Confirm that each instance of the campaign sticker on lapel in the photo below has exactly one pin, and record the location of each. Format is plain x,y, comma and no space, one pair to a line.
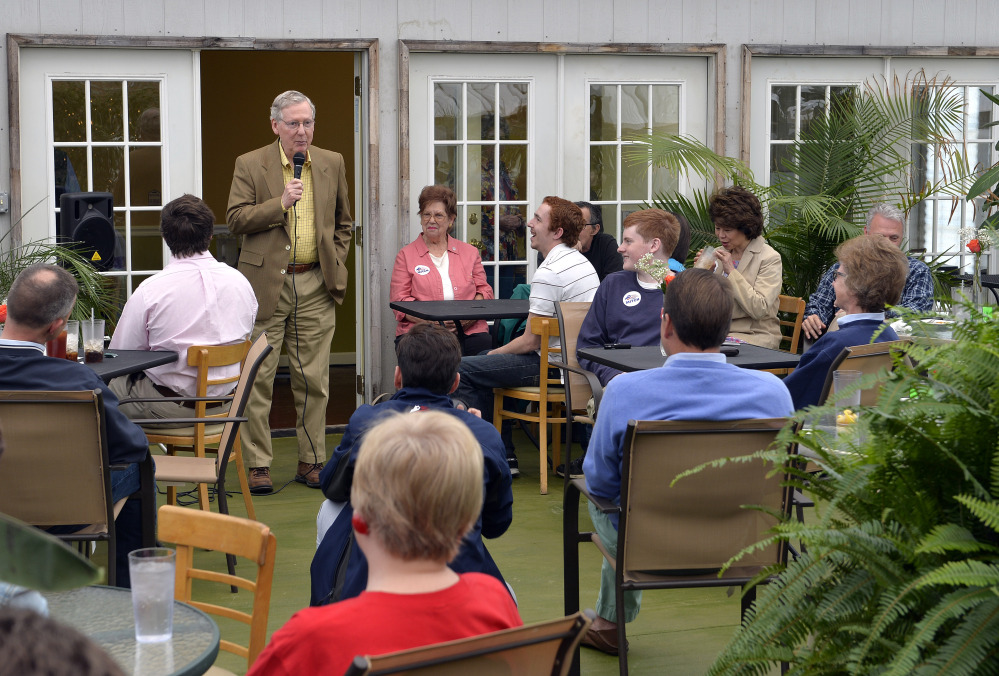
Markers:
631,299
422,270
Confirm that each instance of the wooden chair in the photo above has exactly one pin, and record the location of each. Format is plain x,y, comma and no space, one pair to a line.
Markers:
191,529
868,359
790,314
548,395
55,470
541,649
200,435
680,536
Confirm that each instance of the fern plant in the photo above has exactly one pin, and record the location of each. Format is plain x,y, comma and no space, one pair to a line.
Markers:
901,574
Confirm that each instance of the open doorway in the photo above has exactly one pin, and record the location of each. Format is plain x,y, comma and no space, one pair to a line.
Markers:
237,88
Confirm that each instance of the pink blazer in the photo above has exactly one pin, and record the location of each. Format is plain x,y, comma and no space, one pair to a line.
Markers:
415,277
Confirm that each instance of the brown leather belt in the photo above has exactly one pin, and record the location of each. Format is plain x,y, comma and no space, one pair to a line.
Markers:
167,392
299,268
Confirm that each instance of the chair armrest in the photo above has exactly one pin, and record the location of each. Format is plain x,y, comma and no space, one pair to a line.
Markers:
187,421
604,505
221,397
595,387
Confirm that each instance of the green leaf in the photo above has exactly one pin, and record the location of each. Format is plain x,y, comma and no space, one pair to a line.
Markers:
984,183
34,559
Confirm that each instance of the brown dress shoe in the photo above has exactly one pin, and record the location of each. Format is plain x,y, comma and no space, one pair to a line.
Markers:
604,640
260,481
308,474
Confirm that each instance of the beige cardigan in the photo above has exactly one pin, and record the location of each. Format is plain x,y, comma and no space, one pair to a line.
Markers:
756,283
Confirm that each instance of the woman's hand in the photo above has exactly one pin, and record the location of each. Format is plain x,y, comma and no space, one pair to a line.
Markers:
725,258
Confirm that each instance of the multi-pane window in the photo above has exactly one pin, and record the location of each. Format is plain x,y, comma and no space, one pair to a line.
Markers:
482,151
932,225
106,138
793,108
618,112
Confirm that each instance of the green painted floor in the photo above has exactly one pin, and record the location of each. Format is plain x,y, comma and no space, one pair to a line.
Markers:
678,631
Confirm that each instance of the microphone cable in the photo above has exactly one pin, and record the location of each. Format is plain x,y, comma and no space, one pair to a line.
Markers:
298,355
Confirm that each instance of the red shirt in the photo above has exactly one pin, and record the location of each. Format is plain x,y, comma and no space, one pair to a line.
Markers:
326,639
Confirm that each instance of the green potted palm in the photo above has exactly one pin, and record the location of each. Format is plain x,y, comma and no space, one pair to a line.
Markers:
846,161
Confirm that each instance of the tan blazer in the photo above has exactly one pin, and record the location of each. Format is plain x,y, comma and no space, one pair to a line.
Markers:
255,212
756,283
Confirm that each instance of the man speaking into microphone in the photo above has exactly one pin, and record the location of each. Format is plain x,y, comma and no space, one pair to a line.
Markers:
289,202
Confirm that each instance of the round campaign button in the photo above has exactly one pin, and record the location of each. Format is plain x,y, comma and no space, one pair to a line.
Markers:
422,270
631,299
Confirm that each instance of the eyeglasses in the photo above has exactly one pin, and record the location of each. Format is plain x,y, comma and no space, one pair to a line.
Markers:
437,218
840,274
295,124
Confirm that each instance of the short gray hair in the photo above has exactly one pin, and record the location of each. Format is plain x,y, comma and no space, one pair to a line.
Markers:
885,210
41,294
289,98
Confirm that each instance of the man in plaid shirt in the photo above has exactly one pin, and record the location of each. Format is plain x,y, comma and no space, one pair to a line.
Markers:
888,221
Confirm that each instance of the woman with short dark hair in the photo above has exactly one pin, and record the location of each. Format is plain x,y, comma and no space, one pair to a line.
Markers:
752,265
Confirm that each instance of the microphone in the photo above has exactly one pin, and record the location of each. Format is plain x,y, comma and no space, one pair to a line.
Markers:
299,161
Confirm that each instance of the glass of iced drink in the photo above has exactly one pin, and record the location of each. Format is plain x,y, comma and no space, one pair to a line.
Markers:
93,340
152,571
57,346
73,340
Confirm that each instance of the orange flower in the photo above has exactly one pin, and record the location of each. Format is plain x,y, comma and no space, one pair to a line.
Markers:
3,313
974,246
667,279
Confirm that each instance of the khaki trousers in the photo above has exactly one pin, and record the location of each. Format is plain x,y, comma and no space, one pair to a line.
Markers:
306,334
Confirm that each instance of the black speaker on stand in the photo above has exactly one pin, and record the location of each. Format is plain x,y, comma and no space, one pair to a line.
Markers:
86,224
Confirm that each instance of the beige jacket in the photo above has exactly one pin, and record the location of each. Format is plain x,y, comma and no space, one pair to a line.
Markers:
756,283
255,212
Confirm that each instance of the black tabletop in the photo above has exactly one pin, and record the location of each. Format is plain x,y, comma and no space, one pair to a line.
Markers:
129,361
641,358
451,310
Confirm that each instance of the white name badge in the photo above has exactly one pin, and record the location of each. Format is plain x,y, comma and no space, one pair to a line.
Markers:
422,270
631,299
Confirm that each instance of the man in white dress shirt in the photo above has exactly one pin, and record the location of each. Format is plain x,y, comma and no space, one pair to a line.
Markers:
194,300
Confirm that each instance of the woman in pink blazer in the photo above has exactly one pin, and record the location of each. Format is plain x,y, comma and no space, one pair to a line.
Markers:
435,266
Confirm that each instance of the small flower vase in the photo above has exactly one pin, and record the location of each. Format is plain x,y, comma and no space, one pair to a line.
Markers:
976,286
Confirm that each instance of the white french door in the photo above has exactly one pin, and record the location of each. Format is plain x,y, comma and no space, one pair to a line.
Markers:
109,120
505,130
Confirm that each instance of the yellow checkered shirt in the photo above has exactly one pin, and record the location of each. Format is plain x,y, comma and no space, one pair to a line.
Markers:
303,230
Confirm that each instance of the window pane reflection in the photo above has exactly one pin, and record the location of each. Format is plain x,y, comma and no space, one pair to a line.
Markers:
513,111
144,111
603,113
69,111
634,109
603,172
106,111
447,111
481,111
783,112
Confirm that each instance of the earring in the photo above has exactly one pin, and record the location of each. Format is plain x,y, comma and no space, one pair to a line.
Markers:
359,524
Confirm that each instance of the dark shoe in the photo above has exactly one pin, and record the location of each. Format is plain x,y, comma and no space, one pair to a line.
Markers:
604,640
514,465
260,481
308,474
575,469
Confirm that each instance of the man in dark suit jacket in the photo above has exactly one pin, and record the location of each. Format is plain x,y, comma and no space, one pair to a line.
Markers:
296,234
38,305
